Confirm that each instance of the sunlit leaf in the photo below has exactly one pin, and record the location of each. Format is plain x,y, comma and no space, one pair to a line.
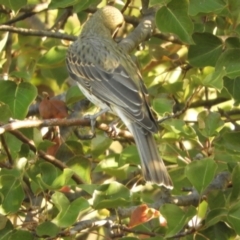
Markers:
200,6
200,173
47,229
18,97
173,18
68,212
181,217
14,4
210,123
111,195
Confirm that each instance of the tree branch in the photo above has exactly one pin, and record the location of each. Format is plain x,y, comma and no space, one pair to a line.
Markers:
39,33
28,12
61,122
59,164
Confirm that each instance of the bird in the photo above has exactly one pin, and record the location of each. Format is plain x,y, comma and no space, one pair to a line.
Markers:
110,79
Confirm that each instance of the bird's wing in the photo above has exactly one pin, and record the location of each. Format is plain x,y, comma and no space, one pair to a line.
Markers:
115,87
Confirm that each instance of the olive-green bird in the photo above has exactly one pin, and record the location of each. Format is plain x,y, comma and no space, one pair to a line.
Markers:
111,80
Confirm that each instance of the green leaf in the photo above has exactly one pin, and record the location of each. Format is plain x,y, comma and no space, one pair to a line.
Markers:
181,217
215,79
47,229
57,73
55,57
179,128
111,195
230,140
12,192
62,3
18,97
207,50
210,123
219,231
44,145
214,216
82,167
79,5
5,112
62,179
221,199
156,2
68,212
74,95
112,166
49,177
14,144
3,222
173,18
4,233
20,234
233,87
234,7
100,144
234,217
235,183
230,61
200,173
89,188
14,4
200,6
232,42
48,173
163,105
82,5
129,155
24,75
69,149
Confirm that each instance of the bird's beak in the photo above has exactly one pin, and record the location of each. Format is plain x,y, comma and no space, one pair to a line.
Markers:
114,34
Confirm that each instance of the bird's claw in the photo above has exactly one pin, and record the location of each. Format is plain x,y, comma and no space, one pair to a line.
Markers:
113,131
92,119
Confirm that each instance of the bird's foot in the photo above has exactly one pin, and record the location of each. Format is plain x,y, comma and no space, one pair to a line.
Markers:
113,131
93,118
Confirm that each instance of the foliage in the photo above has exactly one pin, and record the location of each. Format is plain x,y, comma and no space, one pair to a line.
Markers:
57,185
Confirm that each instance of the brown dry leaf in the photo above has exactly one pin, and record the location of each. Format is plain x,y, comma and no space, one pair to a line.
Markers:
52,150
142,214
52,108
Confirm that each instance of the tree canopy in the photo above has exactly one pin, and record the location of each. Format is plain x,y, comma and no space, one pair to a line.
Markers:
58,181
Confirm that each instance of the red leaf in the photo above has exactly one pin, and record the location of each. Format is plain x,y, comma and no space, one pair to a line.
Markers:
52,150
142,214
65,189
52,108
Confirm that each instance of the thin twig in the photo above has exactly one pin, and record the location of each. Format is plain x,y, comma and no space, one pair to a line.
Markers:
186,107
5,146
28,12
39,33
44,155
61,20
126,6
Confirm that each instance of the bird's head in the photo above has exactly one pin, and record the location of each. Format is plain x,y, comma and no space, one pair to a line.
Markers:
111,17
106,21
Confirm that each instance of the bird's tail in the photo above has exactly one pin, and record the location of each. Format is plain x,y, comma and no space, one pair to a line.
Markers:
153,167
